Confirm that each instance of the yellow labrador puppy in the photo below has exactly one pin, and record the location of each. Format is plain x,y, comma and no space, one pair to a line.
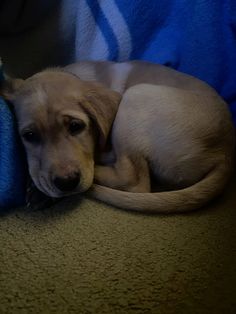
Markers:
169,125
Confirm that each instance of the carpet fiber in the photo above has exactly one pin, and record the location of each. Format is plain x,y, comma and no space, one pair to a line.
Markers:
84,257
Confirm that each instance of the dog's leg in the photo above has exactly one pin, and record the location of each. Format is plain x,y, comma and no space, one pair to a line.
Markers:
124,175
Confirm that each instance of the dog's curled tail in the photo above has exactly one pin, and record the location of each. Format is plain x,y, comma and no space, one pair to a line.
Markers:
178,201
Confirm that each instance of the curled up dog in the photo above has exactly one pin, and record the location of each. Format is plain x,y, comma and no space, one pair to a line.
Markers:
162,124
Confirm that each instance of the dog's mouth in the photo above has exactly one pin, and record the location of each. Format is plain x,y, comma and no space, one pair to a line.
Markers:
50,190
47,188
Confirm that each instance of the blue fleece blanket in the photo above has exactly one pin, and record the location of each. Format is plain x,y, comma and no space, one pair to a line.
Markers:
12,161
194,36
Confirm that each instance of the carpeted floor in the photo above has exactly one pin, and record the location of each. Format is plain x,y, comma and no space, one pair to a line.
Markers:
84,257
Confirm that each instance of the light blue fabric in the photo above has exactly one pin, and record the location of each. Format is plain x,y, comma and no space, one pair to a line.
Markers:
194,36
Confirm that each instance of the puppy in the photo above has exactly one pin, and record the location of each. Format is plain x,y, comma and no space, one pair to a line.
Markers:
174,127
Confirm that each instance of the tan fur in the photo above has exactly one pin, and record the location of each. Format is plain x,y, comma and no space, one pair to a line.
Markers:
168,125
167,132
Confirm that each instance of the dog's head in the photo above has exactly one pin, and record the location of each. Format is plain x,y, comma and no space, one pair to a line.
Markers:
59,117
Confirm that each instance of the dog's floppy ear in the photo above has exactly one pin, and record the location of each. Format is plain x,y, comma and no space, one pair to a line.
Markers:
9,87
101,105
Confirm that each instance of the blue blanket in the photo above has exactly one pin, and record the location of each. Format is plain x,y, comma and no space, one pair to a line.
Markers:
12,161
197,37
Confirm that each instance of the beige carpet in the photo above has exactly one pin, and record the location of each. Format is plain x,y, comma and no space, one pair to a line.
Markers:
84,257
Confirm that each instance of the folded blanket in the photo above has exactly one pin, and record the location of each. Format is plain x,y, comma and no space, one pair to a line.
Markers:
196,37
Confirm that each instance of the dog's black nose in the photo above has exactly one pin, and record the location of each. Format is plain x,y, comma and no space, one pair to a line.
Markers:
66,184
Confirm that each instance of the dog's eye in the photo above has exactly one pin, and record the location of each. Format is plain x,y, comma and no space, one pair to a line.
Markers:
76,126
31,137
